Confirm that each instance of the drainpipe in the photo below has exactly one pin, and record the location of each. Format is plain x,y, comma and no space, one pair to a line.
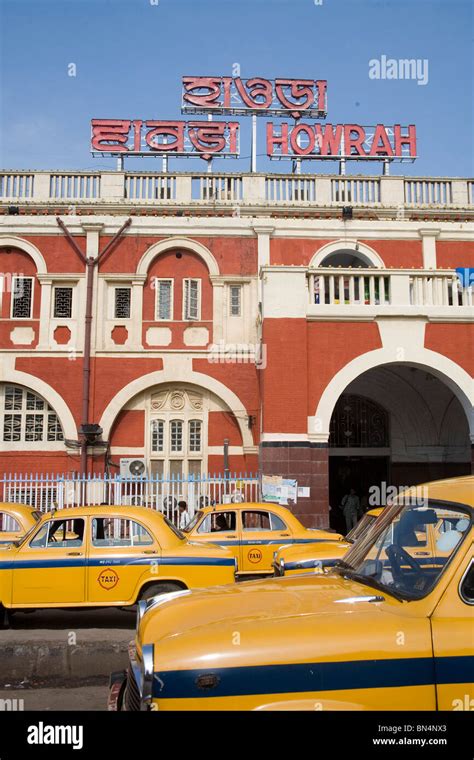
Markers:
90,264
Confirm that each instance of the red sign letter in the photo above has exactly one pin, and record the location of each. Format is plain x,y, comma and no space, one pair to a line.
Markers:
110,135
380,135
209,98
307,130
409,139
257,88
173,129
273,139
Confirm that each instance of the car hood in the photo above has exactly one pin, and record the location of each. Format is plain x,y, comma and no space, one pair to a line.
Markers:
200,549
322,551
243,623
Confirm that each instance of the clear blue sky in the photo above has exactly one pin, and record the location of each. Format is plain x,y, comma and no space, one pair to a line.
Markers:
130,56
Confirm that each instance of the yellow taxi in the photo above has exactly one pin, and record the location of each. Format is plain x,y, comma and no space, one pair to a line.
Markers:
294,560
16,520
101,556
253,532
384,630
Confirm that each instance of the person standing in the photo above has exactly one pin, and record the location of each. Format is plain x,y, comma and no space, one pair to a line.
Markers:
183,514
350,506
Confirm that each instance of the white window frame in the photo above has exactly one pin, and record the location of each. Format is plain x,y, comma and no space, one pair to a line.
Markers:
12,300
239,286
124,286
23,444
185,455
53,299
157,299
185,316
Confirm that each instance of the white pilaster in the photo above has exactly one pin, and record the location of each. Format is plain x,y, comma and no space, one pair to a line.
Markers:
428,237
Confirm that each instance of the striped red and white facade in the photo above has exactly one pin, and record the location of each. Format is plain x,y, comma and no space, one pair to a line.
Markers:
334,347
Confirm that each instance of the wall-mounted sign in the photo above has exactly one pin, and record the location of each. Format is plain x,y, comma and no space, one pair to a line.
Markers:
257,96
279,490
263,97
350,141
177,138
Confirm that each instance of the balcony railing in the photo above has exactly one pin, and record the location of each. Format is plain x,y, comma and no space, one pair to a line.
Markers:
158,189
381,289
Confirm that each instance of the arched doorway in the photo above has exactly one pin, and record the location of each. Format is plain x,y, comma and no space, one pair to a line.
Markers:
394,425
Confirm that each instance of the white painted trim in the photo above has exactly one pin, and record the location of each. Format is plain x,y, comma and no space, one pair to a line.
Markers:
10,375
177,373
177,242
450,373
127,451
267,437
27,247
219,450
347,244
185,318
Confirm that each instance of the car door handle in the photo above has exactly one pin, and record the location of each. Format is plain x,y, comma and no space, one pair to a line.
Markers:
231,535
284,534
74,554
149,551
421,554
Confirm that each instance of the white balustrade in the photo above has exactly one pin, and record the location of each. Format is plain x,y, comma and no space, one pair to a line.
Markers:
16,186
74,186
213,188
349,287
150,187
291,189
425,191
339,287
355,190
251,189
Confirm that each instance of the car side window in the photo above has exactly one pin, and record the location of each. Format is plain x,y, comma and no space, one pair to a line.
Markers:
117,531
8,524
59,534
256,520
215,522
467,585
276,522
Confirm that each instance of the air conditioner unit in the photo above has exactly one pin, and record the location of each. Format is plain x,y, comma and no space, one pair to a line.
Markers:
132,467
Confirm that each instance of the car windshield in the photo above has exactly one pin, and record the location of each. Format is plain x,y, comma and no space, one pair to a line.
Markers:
361,528
192,523
27,535
173,527
407,551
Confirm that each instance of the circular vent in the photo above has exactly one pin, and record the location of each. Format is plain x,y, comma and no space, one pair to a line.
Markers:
137,467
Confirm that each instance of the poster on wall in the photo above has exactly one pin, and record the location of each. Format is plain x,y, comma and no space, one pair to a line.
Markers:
279,490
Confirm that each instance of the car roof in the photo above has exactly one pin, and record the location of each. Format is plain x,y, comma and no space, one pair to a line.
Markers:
23,510
106,509
257,505
455,490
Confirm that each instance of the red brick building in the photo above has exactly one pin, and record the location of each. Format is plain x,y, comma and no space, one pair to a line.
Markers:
328,345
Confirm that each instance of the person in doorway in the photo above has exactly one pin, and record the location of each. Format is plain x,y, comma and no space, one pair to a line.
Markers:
350,506
183,514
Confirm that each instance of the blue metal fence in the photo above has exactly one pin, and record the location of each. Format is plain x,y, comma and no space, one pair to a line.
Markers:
156,492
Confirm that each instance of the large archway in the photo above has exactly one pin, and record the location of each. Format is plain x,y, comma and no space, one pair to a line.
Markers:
394,425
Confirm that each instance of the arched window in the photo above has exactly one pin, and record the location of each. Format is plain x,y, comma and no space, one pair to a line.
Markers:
27,418
178,431
358,422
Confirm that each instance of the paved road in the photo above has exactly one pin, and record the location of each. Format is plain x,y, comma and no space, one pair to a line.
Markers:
62,698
